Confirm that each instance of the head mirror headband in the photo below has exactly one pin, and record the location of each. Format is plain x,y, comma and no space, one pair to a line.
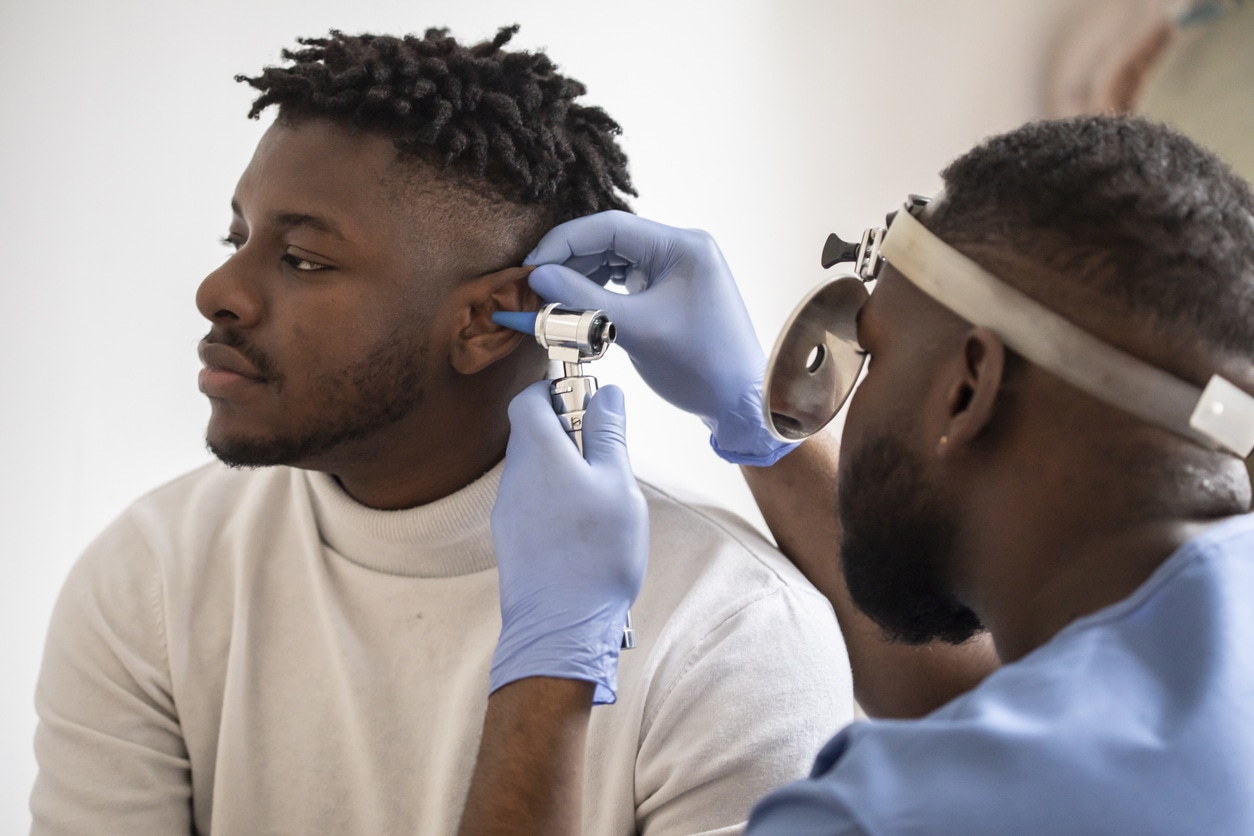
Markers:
816,359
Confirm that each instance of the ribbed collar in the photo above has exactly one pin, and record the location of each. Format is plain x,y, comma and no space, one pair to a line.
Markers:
442,539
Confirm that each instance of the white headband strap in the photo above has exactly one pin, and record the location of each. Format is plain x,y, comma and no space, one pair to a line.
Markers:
1221,416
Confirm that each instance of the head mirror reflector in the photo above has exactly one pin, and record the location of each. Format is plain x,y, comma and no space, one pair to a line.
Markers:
816,360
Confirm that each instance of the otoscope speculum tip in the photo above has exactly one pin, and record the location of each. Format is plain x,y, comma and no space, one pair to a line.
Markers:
524,321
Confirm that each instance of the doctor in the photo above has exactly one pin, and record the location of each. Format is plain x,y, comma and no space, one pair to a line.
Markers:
1047,445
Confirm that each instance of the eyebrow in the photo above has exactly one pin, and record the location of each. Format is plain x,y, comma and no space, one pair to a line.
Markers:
298,219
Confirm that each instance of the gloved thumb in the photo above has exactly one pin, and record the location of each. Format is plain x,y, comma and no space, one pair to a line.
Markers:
605,430
555,283
534,429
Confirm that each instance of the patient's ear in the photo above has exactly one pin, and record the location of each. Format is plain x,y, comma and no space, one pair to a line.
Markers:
478,342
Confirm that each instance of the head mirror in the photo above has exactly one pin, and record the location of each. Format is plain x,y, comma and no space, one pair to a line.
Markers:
816,360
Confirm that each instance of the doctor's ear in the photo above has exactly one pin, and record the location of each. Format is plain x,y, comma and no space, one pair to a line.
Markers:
478,342
971,398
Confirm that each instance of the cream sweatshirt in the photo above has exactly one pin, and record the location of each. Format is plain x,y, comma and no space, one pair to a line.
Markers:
252,652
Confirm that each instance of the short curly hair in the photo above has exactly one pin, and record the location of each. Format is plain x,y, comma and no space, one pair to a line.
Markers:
1121,206
507,118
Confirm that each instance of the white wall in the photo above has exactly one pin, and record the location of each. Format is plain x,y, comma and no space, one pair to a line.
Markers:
769,124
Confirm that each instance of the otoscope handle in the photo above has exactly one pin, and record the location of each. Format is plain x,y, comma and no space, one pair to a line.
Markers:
570,401
571,395
570,336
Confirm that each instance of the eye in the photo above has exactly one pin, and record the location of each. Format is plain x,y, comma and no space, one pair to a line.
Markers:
303,265
232,240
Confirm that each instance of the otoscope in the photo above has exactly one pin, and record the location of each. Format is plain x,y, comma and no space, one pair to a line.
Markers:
573,337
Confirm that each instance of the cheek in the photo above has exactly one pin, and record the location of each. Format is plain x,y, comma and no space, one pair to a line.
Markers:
334,324
853,418
854,431
330,331
318,338
320,341
887,402
863,407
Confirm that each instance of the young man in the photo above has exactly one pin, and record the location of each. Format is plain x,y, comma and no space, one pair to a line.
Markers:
301,642
1048,442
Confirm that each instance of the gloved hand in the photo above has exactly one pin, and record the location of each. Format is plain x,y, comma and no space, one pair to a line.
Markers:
682,322
572,542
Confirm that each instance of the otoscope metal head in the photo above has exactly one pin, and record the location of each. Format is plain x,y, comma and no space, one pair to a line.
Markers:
569,335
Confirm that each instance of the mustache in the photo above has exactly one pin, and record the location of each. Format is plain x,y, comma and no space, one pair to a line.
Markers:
254,355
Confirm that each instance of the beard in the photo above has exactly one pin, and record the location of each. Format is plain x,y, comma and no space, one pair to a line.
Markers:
897,547
352,404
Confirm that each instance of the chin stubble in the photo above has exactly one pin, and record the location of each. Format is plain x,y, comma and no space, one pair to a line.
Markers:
352,404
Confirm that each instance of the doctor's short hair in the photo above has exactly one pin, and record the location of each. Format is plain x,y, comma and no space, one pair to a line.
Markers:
1117,206
505,119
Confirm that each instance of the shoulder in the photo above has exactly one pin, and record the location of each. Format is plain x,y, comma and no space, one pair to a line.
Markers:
177,533
1142,699
691,530
740,672
716,585
205,498
724,610
933,777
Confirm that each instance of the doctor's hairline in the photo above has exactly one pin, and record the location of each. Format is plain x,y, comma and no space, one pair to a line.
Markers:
1119,208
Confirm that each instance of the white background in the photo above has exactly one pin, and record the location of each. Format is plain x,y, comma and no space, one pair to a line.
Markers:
768,124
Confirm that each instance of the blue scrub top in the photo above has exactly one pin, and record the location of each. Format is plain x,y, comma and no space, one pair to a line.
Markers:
1137,719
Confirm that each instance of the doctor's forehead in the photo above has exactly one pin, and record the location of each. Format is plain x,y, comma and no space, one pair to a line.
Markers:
899,300
882,307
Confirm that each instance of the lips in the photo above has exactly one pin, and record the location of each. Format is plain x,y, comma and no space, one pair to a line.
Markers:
228,374
219,357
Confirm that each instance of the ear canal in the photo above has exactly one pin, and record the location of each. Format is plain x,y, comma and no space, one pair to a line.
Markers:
973,395
962,398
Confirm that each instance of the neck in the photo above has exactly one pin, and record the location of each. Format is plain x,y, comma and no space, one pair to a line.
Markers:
1072,541
427,455
1079,578
410,477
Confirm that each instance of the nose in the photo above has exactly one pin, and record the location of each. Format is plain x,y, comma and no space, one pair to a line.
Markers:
227,297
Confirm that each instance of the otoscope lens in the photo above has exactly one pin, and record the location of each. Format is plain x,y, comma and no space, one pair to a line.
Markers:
602,333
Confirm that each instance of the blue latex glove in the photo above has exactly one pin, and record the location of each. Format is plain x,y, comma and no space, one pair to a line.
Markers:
683,322
572,541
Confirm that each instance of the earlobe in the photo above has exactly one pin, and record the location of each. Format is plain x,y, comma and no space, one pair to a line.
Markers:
477,341
972,398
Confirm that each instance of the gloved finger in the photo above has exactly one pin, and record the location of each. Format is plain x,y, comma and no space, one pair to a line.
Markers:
605,430
607,274
602,274
592,266
560,284
579,237
534,428
627,236
634,280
